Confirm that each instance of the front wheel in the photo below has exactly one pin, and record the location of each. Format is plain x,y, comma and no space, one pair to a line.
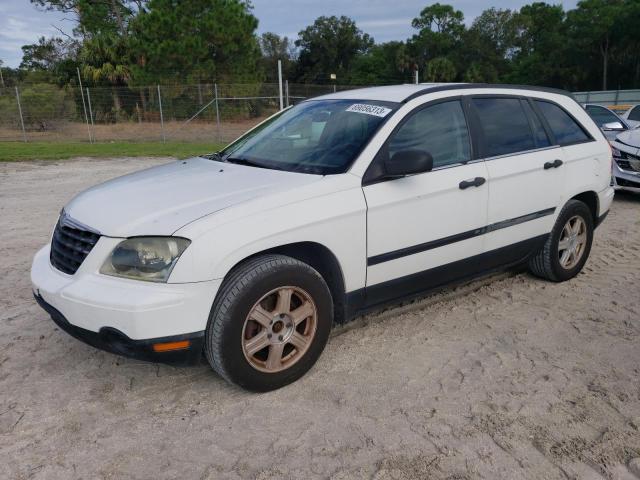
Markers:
567,248
269,323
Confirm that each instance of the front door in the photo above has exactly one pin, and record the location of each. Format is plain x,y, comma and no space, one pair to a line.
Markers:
422,228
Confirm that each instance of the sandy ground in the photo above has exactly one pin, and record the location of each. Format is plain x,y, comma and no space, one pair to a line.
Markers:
510,377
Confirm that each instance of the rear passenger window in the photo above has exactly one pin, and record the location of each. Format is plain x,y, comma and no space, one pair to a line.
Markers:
440,129
565,128
505,125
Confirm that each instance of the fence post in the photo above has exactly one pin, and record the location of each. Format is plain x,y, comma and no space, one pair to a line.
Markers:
615,102
215,91
84,105
161,116
280,82
286,89
417,77
24,133
90,113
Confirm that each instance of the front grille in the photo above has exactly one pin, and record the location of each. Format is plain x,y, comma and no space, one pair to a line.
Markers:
70,246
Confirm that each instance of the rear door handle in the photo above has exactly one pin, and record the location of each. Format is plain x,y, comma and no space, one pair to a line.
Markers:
476,182
554,164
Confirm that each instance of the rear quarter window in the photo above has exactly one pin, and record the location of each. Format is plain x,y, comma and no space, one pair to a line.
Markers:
564,127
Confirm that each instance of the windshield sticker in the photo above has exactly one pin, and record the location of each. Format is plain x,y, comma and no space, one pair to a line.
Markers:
369,109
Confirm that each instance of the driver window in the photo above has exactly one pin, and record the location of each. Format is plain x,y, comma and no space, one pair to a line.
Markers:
439,129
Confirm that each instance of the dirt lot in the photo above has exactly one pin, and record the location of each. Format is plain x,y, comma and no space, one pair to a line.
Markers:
506,378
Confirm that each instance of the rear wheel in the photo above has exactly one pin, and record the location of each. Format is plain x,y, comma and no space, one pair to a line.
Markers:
269,323
567,248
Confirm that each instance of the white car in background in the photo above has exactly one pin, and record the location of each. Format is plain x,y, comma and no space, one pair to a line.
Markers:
336,206
626,156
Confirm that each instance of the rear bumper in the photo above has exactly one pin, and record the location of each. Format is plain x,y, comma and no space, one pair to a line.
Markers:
114,341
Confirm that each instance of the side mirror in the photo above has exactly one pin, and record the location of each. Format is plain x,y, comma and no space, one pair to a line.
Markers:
608,127
408,162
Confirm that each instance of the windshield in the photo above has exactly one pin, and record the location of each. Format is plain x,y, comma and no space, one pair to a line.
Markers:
318,136
602,115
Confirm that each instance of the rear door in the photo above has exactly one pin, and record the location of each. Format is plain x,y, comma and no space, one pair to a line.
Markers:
421,228
526,174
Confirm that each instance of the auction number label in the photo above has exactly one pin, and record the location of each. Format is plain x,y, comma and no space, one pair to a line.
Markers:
369,109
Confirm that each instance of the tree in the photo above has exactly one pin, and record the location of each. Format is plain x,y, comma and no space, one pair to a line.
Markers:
541,47
440,69
330,45
386,63
276,48
440,32
198,39
593,24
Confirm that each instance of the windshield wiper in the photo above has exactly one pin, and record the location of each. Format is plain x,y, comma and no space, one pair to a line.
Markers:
245,161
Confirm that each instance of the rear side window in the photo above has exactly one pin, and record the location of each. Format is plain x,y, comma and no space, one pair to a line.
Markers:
565,128
634,114
505,126
539,133
439,129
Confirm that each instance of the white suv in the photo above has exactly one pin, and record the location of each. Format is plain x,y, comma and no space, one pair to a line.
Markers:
330,208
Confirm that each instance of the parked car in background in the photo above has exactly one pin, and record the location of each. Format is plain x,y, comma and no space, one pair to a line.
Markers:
326,210
610,123
632,116
626,156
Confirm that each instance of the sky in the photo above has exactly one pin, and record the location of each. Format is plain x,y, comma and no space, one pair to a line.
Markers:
22,23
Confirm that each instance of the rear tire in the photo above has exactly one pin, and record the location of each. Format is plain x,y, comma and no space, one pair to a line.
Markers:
269,323
567,249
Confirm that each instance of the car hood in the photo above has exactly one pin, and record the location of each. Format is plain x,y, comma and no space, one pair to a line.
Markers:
630,138
161,200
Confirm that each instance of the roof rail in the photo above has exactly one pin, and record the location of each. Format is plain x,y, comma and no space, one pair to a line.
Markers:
466,86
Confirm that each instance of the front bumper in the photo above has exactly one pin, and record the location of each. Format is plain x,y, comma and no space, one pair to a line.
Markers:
124,316
114,341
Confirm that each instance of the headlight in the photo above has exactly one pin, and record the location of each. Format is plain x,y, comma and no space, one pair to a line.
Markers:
617,153
145,258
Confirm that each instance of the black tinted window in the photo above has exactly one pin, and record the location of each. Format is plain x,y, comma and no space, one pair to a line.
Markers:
505,125
634,114
538,130
440,129
565,128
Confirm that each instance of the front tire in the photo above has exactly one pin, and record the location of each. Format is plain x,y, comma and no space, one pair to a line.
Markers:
269,323
568,246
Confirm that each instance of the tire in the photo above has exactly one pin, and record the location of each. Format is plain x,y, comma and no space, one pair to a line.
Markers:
547,263
249,291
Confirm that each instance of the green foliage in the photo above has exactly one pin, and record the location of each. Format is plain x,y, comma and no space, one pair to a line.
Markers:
43,106
199,39
440,69
17,151
330,46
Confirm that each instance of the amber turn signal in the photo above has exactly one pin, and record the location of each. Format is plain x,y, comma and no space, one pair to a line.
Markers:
170,346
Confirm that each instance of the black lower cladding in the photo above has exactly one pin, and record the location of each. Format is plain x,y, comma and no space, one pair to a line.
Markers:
417,284
114,341
458,237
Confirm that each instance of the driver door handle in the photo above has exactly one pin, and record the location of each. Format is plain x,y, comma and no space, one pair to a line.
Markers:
554,164
476,182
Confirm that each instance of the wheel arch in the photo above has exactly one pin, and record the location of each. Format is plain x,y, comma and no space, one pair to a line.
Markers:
321,259
590,198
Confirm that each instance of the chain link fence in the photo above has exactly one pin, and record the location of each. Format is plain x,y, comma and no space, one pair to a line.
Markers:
202,112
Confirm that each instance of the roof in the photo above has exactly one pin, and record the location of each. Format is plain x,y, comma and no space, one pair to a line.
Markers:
406,92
